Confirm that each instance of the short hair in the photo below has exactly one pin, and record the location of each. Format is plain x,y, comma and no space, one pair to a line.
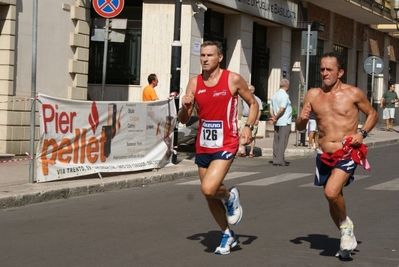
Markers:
251,87
284,83
151,78
390,84
340,59
218,45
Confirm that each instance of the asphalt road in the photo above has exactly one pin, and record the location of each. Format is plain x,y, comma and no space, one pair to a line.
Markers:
285,223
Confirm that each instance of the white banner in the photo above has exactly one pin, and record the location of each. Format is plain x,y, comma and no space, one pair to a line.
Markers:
85,137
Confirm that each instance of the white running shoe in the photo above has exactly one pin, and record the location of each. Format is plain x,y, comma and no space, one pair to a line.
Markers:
233,207
228,242
348,239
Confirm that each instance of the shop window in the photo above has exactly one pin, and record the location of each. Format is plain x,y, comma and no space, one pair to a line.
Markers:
314,66
214,31
369,80
343,51
123,59
359,55
392,71
260,61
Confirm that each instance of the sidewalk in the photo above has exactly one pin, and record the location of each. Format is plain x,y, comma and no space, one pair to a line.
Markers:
15,189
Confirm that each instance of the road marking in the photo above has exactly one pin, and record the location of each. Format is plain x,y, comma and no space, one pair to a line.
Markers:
357,178
229,176
391,185
277,179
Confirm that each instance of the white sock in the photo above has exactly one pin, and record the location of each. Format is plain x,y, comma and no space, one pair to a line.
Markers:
227,232
344,222
232,197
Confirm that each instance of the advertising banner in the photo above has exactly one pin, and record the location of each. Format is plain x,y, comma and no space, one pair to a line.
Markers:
85,137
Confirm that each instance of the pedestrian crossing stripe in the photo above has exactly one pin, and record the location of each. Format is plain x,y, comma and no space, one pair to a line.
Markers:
357,178
260,182
229,176
277,179
391,185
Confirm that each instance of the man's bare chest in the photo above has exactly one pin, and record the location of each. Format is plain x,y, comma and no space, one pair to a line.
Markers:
333,105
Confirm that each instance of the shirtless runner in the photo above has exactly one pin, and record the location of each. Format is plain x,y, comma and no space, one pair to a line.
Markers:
336,108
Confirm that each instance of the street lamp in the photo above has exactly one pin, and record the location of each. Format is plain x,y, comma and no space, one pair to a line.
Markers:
395,12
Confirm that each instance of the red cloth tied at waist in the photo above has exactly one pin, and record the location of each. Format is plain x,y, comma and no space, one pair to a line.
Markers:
358,154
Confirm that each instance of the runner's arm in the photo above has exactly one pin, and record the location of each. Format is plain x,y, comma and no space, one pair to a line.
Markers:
184,113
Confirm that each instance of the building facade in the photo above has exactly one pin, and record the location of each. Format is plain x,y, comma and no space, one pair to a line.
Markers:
263,42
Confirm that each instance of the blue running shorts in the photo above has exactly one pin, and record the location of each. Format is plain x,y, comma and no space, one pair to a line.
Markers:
203,160
323,171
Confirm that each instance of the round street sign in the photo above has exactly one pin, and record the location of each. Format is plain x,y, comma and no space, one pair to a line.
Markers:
378,65
108,8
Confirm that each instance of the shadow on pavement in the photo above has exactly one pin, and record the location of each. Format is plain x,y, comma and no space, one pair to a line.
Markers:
327,244
211,240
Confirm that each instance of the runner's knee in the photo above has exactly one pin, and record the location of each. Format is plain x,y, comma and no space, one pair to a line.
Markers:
208,190
331,195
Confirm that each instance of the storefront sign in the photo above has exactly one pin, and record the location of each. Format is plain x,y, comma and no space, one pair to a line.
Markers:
280,11
84,137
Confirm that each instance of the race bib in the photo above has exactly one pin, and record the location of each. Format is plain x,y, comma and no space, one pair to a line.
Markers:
212,134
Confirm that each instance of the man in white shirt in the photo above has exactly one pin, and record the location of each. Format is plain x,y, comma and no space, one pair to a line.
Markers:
281,118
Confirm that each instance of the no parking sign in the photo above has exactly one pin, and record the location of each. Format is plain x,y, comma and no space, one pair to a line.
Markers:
108,8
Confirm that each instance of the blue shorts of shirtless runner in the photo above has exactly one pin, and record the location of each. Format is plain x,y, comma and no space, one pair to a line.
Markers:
203,160
323,171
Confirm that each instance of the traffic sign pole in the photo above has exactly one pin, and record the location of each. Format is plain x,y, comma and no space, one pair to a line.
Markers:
373,65
372,80
105,59
306,84
33,93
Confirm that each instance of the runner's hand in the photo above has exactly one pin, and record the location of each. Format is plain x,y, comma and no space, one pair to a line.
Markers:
188,101
306,110
245,136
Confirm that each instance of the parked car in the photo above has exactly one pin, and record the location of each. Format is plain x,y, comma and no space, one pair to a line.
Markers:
186,134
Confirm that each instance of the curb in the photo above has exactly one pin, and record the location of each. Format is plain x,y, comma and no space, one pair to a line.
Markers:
268,152
382,143
51,193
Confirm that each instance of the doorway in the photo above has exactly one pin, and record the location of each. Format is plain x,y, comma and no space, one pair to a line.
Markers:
260,62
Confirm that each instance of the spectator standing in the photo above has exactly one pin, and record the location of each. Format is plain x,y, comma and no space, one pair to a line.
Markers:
149,93
388,100
245,112
281,118
313,135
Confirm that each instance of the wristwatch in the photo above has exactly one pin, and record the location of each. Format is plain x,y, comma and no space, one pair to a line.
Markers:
364,133
249,126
